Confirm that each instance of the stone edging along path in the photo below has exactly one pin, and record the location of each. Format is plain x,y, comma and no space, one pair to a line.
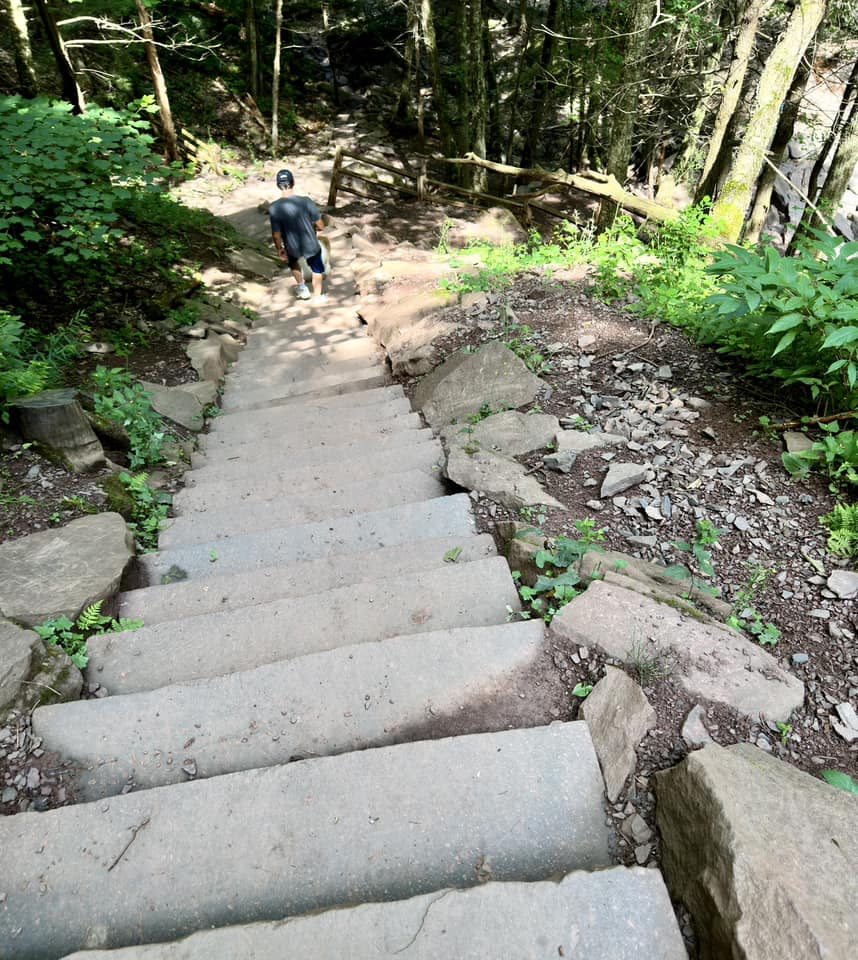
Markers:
330,613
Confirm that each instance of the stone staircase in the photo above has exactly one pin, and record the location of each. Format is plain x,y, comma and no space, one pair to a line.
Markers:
299,726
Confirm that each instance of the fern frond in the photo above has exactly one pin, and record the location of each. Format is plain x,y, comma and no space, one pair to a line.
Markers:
91,618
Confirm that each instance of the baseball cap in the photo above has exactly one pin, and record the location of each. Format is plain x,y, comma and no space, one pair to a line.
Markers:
285,179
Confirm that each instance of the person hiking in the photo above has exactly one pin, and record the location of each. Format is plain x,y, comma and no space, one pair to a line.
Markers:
295,225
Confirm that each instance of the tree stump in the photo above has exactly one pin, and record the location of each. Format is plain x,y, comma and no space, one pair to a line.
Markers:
55,420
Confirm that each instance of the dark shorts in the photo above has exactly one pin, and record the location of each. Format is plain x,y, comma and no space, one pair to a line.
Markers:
315,262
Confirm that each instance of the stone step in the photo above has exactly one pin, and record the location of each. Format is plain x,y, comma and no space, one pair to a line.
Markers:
309,427
327,501
383,824
279,374
339,344
336,383
300,361
247,478
188,598
623,913
279,330
441,517
214,644
413,687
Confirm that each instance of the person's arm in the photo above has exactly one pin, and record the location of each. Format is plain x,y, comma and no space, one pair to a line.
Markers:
278,243
319,225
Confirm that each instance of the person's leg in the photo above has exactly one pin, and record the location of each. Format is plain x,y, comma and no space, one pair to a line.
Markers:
301,290
316,264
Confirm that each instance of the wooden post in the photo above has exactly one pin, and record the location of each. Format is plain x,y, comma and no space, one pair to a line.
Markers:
421,181
335,178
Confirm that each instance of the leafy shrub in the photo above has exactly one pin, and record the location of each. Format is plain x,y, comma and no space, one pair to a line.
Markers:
61,178
798,309
836,453
120,399
71,635
149,509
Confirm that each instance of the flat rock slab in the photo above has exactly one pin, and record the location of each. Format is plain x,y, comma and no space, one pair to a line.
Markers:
441,517
619,716
329,383
185,407
323,704
216,594
774,848
510,433
473,594
622,476
324,502
405,820
497,477
492,375
616,914
59,572
714,662
575,441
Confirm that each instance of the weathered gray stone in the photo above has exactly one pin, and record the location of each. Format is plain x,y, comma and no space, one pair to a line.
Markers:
603,563
61,571
844,583
714,662
796,442
496,225
177,404
764,855
207,358
694,731
615,914
231,347
561,462
579,442
492,375
249,260
17,649
619,716
622,476
509,433
497,477
521,542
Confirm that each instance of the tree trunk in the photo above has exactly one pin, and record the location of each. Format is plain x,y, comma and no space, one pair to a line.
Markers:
732,93
252,47
493,137
71,91
439,91
402,110
171,141
540,87
516,90
479,99
782,137
326,23
625,107
833,134
55,420
732,205
842,168
27,83
275,81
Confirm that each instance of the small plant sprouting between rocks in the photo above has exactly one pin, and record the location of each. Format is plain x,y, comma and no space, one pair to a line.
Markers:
582,690
836,454
71,635
707,536
560,581
451,556
840,780
745,617
148,511
651,662
842,524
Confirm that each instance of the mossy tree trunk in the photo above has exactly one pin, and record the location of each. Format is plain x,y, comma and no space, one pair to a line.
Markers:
171,142
71,91
842,168
275,79
734,201
15,15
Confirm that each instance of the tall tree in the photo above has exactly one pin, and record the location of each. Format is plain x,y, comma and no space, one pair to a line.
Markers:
71,91
275,79
733,203
171,142
252,35
541,86
625,104
16,17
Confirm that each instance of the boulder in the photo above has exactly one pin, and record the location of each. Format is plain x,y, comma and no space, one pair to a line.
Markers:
509,433
31,673
496,225
713,662
764,856
252,261
178,404
59,572
461,385
520,542
622,476
207,358
619,717
498,478
575,441
796,442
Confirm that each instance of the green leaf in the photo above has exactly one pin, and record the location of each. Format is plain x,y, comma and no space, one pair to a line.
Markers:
841,337
840,780
451,556
784,342
582,690
677,571
786,323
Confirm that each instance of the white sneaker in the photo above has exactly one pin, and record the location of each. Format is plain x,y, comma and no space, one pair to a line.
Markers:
322,298
302,292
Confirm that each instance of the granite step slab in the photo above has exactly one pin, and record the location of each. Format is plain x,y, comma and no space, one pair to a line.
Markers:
275,375
325,502
365,378
214,594
229,483
406,688
334,344
441,517
623,913
480,593
405,820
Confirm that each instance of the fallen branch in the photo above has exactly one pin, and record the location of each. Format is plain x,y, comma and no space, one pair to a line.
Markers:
124,850
812,421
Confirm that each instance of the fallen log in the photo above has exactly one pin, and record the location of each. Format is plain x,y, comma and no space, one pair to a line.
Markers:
56,422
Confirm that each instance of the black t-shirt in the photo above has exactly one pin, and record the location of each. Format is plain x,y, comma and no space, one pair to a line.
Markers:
294,218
